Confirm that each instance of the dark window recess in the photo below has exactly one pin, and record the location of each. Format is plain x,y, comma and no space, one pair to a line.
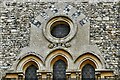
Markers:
88,72
59,70
60,30
31,73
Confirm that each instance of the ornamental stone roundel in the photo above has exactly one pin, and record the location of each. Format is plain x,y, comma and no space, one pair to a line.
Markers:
60,29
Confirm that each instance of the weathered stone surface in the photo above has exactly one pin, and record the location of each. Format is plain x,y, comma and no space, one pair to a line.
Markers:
15,27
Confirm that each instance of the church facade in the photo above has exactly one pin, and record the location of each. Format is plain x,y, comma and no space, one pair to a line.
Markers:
59,40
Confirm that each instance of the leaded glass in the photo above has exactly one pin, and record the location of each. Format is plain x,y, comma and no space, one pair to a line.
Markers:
31,73
88,72
60,30
59,70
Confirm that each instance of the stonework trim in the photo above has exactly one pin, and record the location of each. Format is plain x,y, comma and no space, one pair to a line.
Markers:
59,57
47,34
88,60
27,61
92,58
56,55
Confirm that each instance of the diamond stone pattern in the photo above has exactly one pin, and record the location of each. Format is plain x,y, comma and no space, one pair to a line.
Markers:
15,27
67,9
53,9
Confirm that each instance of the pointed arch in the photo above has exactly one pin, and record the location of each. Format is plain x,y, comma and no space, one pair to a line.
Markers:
89,58
88,61
28,59
57,55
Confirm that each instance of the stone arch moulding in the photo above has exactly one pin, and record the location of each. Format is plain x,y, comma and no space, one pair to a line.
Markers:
88,58
27,60
90,61
54,20
56,55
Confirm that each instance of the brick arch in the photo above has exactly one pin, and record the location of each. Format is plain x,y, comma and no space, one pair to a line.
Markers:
56,55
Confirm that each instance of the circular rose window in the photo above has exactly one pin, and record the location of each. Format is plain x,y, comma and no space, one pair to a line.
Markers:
59,29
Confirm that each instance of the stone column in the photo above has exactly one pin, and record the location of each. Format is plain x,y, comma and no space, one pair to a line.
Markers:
49,76
20,76
68,76
77,76
97,75
39,76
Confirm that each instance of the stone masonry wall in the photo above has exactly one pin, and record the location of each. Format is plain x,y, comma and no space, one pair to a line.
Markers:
15,28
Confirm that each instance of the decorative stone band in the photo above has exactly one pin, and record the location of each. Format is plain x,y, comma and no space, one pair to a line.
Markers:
47,29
